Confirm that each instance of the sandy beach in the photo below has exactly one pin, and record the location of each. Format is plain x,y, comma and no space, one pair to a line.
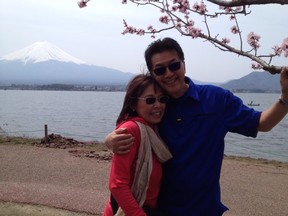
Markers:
57,178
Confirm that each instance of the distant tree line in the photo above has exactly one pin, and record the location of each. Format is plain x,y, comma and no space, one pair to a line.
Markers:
253,91
65,87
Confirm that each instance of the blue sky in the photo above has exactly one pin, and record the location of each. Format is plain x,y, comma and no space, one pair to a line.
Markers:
93,34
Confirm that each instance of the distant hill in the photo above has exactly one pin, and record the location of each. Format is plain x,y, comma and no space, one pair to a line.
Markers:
16,72
254,82
44,63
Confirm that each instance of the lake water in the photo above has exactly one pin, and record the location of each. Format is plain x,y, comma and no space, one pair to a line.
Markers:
91,116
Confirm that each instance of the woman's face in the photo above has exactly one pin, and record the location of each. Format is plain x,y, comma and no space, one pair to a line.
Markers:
148,108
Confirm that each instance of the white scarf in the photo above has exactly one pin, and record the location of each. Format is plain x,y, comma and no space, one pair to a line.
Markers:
149,141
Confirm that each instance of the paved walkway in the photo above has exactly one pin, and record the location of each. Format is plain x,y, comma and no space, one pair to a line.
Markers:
55,178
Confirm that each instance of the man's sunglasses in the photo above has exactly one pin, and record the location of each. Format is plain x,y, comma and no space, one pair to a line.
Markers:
151,99
172,67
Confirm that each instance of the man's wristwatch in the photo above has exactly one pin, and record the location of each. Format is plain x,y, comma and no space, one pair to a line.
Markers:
283,102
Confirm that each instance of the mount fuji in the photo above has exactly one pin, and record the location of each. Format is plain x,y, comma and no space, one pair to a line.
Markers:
40,52
45,63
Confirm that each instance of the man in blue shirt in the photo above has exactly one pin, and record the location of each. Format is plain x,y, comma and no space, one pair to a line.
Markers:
194,126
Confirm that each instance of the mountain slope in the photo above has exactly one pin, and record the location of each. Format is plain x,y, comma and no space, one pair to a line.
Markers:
255,82
52,71
44,63
39,52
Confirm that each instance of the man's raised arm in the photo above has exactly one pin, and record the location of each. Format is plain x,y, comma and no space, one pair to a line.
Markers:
272,116
119,141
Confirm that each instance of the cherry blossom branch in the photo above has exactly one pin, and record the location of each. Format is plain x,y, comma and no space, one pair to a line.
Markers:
186,27
176,14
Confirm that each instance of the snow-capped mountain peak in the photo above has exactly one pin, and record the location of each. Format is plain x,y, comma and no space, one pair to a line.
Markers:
40,52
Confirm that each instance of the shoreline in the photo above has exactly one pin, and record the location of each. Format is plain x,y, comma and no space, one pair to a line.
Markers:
257,160
20,140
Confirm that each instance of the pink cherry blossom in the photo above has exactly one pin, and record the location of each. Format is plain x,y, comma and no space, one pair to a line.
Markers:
140,32
226,9
232,17
190,23
164,19
82,3
225,40
174,8
178,25
200,8
253,40
194,32
150,27
284,47
234,30
256,66
128,29
229,10
277,50
183,5
239,8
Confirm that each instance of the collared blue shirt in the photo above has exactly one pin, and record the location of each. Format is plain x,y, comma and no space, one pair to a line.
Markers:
194,127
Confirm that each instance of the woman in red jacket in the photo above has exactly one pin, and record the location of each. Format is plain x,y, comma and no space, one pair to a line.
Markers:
135,177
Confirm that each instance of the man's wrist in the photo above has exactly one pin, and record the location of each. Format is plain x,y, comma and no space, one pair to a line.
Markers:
283,102
107,143
284,96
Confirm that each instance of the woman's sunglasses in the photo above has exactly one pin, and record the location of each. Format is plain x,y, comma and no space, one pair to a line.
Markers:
172,67
151,99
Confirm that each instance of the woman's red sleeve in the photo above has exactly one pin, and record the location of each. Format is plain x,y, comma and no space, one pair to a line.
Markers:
122,172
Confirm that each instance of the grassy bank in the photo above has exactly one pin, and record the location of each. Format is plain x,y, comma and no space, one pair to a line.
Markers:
9,140
15,209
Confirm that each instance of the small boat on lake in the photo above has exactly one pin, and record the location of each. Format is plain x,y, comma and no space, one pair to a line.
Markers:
253,104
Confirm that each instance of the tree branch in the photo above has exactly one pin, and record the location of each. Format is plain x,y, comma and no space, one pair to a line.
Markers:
235,3
178,15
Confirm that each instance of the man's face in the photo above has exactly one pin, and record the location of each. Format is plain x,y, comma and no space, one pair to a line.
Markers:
169,72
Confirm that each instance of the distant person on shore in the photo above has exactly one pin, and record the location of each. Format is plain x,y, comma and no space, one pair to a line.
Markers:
135,177
196,121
